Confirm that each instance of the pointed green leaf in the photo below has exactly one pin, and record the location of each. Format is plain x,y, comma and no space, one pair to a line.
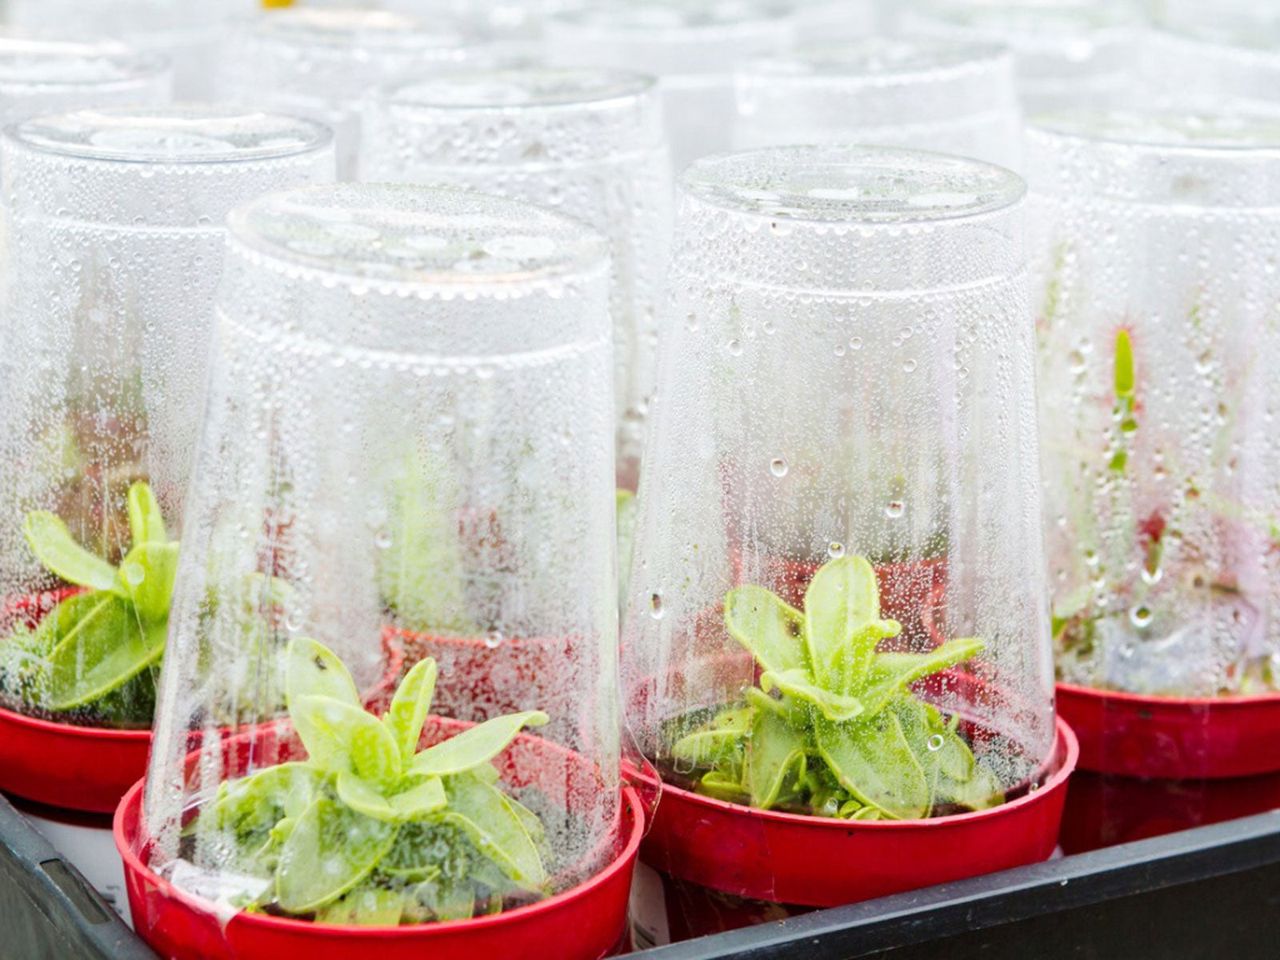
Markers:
338,737
367,905
475,745
483,813
532,825
774,751
414,803
364,797
147,574
795,683
891,672
874,762
841,600
312,669
1124,372
53,545
146,525
421,800
769,628
721,740
105,649
329,851
409,708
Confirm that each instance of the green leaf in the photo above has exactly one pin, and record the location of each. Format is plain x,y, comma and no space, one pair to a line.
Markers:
775,749
367,905
891,672
421,800
795,683
312,669
146,525
841,601
475,745
329,851
147,574
105,649
981,791
721,740
723,786
1124,368
53,545
414,803
339,737
769,628
482,812
259,811
875,763
409,708
446,899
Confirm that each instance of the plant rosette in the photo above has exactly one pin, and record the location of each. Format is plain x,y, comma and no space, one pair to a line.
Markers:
82,661
833,762
400,834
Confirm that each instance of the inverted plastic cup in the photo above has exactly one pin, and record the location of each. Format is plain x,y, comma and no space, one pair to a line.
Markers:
115,232
1214,57
836,612
1068,52
409,431
587,142
41,75
321,63
693,49
949,96
186,34
1159,456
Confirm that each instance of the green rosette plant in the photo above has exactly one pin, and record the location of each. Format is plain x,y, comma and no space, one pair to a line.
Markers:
369,829
832,727
93,658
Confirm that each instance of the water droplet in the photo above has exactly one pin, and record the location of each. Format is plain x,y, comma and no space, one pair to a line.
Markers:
1152,577
831,806
839,349
735,347
1140,616
855,343
835,550
768,327
894,509
493,639
655,605
134,573
934,743
778,467
1076,358
908,366
382,539
1091,557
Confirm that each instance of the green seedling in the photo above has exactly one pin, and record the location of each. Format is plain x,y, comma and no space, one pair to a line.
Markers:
833,728
95,650
370,829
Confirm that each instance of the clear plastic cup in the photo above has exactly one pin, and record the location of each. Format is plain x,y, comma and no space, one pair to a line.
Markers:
587,142
838,550
1068,52
1211,57
1157,238
321,63
692,47
115,229
43,75
186,34
407,443
949,96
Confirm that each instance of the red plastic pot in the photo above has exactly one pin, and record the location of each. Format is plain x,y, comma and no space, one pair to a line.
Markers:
585,922
804,861
1173,738
82,768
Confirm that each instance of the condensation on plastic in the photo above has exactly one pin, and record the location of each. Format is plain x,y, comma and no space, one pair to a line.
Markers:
43,75
403,379
321,63
1067,52
847,368
1158,235
115,234
945,95
1214,56
692,47
586,142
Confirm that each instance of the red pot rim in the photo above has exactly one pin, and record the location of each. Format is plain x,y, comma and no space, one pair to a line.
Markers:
1070,754
1229,701
126,821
